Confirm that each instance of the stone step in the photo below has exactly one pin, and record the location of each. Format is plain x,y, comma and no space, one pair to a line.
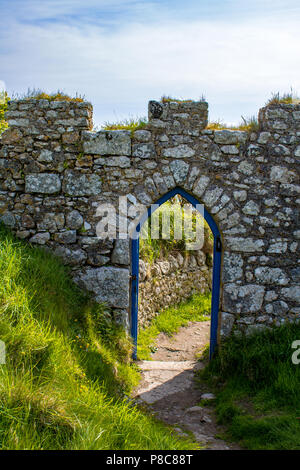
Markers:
166,365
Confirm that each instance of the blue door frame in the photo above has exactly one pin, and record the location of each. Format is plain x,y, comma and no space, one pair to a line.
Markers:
216,268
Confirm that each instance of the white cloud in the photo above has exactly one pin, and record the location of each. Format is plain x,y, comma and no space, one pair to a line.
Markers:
235,64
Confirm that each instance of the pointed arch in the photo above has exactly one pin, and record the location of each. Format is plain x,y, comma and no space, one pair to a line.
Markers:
216,278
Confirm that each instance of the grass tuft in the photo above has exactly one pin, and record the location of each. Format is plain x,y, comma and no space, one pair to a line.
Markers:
249,124
131,124
168,99
285,98
38,94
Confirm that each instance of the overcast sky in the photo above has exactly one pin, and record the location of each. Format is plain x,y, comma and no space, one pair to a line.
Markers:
122,53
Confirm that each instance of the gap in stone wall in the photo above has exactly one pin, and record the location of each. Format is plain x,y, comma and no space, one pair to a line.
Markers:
170,271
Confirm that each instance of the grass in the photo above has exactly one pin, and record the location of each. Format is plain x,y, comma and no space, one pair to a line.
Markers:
3,107
168,99
68,370
131,124
249,124
197,308
152,249
258,389
38,94
285,98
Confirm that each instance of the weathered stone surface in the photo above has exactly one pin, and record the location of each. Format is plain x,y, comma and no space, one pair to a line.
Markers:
160,183
180,170
42,183
71,256
230,137
11,136
277,247
253,329
230,149
295,274
155,109
201,185
248,245
275,113
182,151
211,196
27,221
45,156
291,293
271,275
208,396
121,162
69,236
109,285
18,122
227,323
282,175
120,254
40,238
144,150
70,137
107,143
254,151
8,219
277,308
95,258
74,220
76,184
142,135
240,196
251,208
246,168
233,267
50,222
243,299
264,137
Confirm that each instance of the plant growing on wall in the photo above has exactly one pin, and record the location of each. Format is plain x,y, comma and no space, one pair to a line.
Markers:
3,107
152,249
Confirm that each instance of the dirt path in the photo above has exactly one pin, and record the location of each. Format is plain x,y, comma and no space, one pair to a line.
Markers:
168,388
185,344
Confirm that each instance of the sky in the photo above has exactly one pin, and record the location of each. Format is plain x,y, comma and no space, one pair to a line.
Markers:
120,54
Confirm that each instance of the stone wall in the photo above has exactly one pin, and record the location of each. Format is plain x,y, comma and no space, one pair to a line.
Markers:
170,281
55,172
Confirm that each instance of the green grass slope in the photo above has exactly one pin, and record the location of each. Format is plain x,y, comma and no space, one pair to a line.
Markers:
258,389
67,365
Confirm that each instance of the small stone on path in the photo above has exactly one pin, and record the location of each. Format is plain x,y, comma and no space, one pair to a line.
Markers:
208,396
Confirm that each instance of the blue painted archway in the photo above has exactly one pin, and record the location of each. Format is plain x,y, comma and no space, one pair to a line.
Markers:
217,253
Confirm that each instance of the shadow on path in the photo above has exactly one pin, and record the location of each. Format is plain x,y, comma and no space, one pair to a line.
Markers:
168,388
